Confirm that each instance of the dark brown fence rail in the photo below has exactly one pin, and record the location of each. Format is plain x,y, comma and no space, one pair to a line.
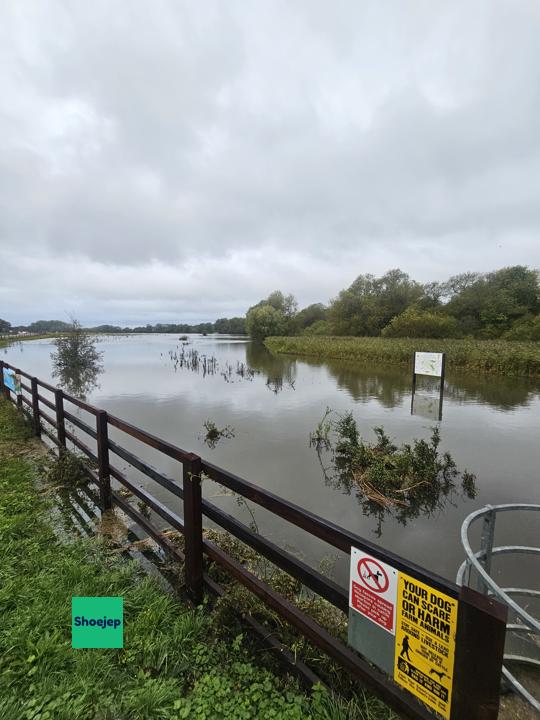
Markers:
481,620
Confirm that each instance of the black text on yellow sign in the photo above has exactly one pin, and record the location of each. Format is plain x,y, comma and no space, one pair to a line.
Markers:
426,622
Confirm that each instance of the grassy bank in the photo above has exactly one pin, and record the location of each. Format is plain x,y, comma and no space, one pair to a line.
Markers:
177,662
14,339
492,356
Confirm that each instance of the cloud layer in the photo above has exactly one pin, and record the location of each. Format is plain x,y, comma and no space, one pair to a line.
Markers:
178,161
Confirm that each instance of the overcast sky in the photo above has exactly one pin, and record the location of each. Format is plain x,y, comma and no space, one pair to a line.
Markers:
177,161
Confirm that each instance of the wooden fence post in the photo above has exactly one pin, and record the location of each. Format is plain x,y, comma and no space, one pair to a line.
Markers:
103,460
19,395
193,527
35,406
60,420
481,631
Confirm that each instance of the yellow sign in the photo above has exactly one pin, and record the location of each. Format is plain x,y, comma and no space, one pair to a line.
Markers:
426,622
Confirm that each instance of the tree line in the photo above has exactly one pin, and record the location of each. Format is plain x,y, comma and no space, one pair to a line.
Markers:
501,304
233,326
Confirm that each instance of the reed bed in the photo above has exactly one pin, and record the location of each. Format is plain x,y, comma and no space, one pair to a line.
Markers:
502,357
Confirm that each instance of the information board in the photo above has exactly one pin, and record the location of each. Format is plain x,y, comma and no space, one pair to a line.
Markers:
428,363
426,621
12,381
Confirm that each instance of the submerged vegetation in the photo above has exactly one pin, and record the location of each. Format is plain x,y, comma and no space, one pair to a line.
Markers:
489,356
214,434
208,365
407,481
200,363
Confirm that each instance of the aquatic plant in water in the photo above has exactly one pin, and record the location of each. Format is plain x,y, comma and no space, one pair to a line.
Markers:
214,434
406,481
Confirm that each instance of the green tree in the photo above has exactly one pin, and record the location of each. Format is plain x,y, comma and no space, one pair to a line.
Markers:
77,361
416,323
526,328
265,320
286,304
321,327
5,326
48,326
370,303
309,315
278,322
235,325
489,304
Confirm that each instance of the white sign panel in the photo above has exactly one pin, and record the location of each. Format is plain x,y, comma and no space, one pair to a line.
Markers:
373,589
426,363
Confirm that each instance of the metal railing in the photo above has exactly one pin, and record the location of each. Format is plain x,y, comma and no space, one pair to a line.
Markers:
524,625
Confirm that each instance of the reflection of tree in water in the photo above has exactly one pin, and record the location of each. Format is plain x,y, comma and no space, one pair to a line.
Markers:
501,392
403,482
77,362
390,384
279,370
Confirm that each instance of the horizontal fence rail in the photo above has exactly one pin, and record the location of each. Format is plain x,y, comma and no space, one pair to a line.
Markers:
476,697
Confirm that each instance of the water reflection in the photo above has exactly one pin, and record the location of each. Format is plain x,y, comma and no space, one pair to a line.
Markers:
279,370
392,384
426,406
501,392
491,425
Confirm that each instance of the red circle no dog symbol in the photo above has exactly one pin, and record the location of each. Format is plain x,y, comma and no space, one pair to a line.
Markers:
373,575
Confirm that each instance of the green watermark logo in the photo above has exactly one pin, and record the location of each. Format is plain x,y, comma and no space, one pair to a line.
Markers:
97,622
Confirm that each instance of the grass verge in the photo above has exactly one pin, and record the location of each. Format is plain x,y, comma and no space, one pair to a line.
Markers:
492,356
177,662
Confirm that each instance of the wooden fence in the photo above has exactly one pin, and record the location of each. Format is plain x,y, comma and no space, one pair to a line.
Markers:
481,620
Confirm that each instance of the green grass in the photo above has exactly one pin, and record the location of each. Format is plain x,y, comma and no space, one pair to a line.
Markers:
177,662
8,340
488,356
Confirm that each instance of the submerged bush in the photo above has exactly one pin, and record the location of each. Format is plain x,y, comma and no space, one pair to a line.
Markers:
407,481
77,362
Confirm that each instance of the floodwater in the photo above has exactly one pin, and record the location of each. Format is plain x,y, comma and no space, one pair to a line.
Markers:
490,425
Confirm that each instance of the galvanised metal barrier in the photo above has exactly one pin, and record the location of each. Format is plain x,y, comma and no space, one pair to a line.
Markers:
526,625
481,621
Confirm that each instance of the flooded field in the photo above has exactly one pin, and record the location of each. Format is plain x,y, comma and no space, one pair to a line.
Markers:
263,409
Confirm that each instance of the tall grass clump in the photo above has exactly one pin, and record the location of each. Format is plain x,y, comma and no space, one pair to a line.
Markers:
487,356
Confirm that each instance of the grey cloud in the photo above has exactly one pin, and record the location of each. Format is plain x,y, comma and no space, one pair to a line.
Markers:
138,142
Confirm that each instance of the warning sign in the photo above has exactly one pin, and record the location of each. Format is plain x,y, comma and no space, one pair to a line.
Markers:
426,622
373,589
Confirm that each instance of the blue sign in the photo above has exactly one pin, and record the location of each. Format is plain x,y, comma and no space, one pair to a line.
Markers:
12,381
